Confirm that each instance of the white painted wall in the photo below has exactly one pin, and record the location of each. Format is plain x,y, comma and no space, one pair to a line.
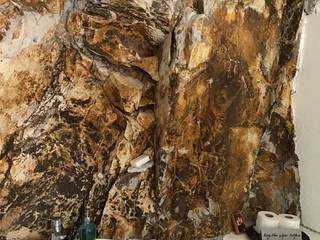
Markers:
307,122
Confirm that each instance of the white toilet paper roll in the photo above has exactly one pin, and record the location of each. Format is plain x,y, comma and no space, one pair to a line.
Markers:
265,220
288,221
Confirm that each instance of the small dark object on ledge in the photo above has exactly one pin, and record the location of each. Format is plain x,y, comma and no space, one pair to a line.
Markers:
238,222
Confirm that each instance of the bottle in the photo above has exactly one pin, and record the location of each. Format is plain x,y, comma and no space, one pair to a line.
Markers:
57,230
87,230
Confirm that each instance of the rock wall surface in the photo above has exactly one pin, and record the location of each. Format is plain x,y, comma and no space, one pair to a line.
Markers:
203,87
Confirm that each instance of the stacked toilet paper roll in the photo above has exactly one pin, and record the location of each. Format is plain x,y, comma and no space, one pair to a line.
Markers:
267,220
288,221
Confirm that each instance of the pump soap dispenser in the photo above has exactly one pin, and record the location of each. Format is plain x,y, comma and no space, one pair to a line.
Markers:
87,230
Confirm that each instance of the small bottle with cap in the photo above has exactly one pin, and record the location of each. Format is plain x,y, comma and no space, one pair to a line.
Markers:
57,229
87,230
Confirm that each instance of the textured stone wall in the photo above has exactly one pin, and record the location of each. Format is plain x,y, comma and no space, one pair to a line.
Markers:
203,87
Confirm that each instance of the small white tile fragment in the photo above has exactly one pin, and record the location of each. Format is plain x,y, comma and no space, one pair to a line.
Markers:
139,161
143,168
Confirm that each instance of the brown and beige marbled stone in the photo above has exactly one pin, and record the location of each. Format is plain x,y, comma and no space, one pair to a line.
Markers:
202,87
219,114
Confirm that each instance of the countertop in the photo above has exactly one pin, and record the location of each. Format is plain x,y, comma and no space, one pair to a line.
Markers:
232,236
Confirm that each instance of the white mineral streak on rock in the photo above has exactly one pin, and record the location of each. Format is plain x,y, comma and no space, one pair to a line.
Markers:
213,207
188,16
22,170
257,5
193,34
201,42
164,158
210,81
267,144
270,57
168,149
133,183
100,175
24,32
197,214
296,174
183,151
208,6
143,4
130,89
193,216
